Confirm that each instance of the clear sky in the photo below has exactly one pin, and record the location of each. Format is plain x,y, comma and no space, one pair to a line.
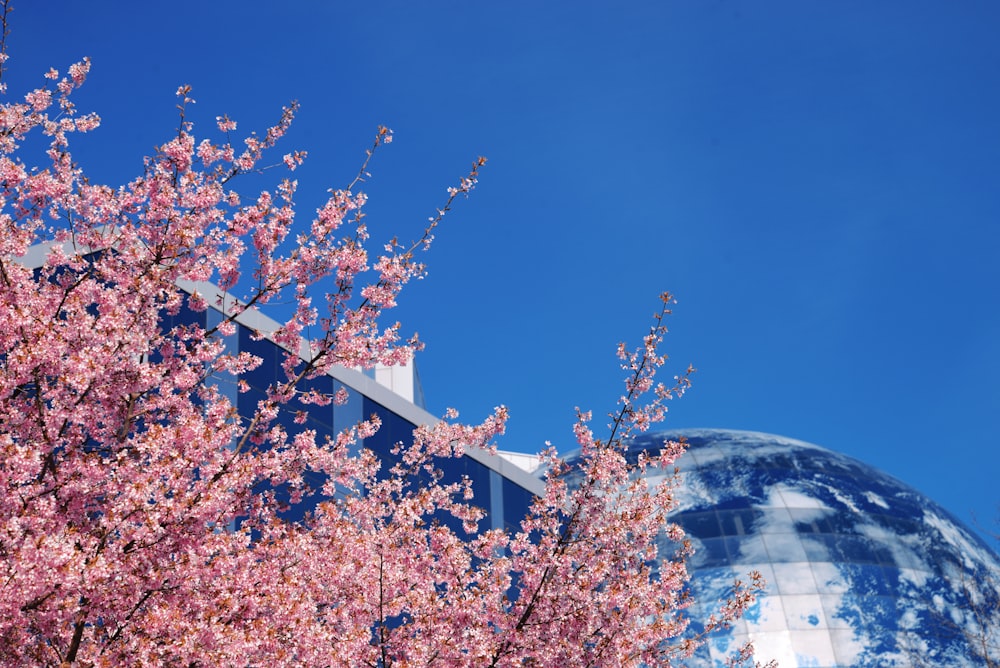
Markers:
817,182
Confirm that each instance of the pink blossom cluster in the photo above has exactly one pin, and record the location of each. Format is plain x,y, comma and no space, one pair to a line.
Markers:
138,521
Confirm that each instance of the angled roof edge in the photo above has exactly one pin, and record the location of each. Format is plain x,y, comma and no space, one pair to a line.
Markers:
254,319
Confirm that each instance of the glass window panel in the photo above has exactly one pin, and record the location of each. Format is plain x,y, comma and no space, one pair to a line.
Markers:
747,549
820,547
700,524
846,646
394,430
767,614
780,461
850,548
813,648
794,578
516,502
714,584
734,503
348,414
738,522
833,606
869,579
829,577
808,520
710,552
804,611
900,525
784,547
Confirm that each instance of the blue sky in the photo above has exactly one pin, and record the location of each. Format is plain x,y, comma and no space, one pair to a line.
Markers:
816,182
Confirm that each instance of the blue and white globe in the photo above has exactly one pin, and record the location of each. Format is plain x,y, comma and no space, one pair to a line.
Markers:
862,570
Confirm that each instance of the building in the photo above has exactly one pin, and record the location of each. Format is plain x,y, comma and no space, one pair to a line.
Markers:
862,570
503,484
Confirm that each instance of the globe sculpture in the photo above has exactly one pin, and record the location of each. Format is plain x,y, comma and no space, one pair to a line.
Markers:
862,570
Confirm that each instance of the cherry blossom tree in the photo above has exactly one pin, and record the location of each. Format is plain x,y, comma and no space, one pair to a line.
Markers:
139,523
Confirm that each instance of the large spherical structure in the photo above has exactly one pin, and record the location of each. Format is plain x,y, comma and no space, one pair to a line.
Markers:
862,570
